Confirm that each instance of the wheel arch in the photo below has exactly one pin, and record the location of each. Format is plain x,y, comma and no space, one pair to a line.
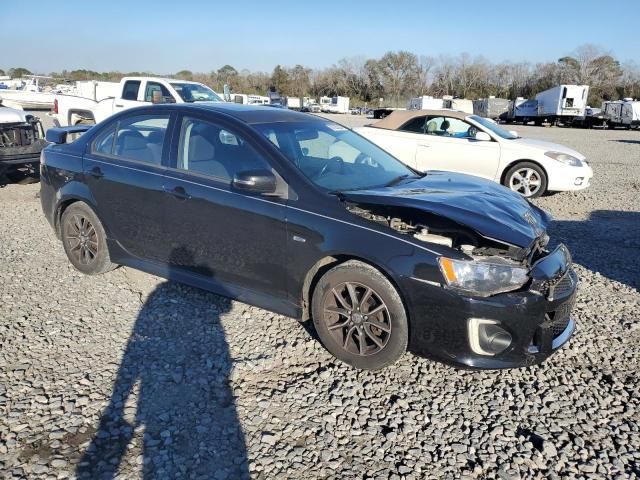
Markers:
328,262
79,112
77,194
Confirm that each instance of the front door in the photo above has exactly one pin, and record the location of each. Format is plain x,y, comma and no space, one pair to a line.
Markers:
449,144
124,172
230,237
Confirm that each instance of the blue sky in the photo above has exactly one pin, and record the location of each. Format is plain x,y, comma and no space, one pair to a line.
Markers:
167,36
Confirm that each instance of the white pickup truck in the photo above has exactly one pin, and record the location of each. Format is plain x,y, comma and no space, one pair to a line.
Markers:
82,108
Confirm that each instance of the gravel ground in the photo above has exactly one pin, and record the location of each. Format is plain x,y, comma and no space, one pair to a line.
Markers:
128,375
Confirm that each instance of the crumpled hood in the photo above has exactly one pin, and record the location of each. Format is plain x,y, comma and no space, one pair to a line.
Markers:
12,115
490,209
543,146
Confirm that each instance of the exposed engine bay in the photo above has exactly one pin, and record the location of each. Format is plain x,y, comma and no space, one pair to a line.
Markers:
21,135
21,140
436,229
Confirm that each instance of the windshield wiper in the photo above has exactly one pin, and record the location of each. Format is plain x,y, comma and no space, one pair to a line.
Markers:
397,180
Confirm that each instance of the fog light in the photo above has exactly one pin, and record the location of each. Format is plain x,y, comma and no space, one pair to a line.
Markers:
487,337
579,181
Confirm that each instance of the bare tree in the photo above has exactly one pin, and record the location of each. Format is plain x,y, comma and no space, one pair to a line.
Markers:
399,73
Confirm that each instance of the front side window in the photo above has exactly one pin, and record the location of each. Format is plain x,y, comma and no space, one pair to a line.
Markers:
157,93
130,90
207,148
449,127
139,138
333,157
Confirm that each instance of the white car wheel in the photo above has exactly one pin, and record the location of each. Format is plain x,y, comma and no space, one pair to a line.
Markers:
527,179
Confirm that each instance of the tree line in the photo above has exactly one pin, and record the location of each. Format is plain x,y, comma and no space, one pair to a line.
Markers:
396,76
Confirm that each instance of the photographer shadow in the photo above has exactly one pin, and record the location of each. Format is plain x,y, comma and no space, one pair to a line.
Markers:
172,412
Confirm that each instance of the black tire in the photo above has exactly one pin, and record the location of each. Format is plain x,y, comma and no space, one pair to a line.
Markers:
84,240
518,167
385,334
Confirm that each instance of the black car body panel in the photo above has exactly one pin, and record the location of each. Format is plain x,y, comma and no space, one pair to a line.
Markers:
265,250
483,205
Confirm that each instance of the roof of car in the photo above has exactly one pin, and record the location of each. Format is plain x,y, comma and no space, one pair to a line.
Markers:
398,118
254,114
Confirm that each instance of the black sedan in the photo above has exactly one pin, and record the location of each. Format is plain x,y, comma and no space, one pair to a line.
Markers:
302,216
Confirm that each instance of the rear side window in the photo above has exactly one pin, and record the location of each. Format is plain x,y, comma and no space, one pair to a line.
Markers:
139,138
415,125
130,90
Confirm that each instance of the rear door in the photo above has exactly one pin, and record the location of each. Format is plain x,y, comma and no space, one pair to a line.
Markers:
124,172
449,144
228,236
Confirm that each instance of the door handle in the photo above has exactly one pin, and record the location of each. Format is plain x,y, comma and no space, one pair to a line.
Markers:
424,145
178,192
96,172
119,105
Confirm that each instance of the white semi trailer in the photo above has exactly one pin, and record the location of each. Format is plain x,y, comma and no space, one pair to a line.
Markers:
562,104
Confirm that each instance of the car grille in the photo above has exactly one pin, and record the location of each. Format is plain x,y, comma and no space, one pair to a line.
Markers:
564,286
555,324
559,320
559,287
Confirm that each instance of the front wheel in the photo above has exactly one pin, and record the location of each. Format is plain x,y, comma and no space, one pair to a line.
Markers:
526,178
359,316
84,240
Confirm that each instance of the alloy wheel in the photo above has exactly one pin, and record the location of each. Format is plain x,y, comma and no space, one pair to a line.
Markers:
357,318
525,181
82,239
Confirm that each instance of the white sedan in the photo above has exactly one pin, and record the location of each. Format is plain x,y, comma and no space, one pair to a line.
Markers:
459,142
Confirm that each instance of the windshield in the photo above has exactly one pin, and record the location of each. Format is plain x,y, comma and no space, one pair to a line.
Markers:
335,158
494,127
194,92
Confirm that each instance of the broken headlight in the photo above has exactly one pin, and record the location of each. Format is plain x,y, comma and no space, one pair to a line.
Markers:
564,158
483,277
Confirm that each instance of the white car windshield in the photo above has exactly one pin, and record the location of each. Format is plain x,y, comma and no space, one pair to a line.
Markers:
494,127
194,92
335,158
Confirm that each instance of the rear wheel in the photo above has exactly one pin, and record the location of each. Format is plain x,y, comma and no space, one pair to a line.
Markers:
84,240
359,316
526,178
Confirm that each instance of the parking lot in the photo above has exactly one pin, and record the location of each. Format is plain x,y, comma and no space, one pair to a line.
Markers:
127,374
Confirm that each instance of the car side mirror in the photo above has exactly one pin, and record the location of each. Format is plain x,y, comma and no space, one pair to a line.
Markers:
514,133
255,181
483,137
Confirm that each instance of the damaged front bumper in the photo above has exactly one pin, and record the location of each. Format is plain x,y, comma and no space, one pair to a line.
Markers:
507,330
